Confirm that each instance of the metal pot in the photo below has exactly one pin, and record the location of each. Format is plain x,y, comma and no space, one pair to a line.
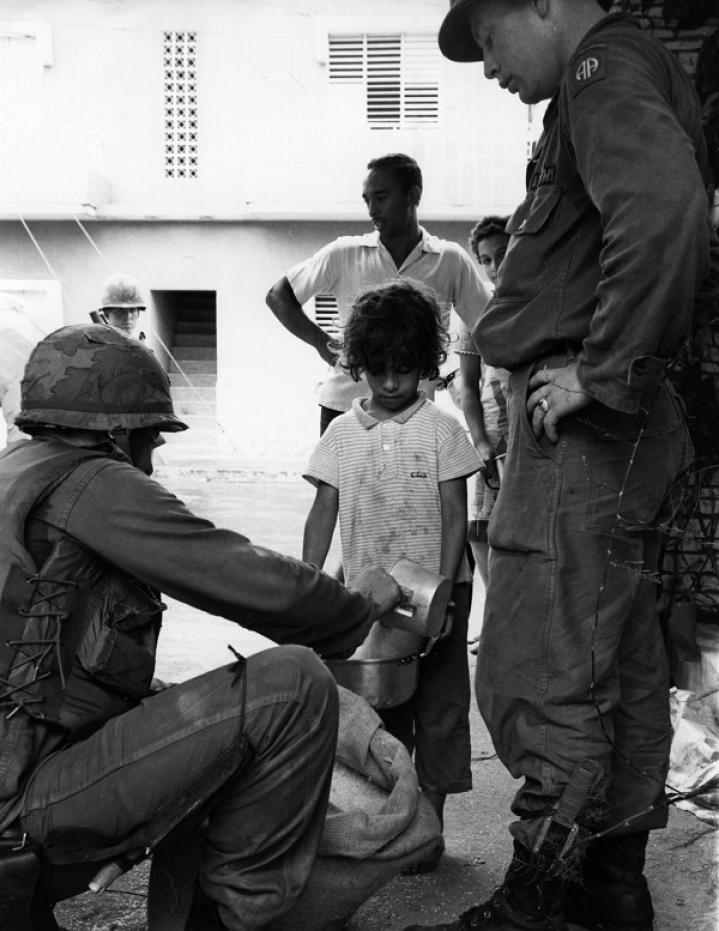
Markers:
383,683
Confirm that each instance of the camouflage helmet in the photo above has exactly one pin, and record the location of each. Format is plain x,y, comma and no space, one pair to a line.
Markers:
455,39
94,378
122,293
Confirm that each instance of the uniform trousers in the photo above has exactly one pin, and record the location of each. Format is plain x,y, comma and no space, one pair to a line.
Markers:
572,663
263,827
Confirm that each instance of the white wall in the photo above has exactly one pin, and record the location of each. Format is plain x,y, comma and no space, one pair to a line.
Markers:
84,123
266,378
82,111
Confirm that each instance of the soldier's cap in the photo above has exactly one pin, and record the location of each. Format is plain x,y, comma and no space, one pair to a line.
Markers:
455,37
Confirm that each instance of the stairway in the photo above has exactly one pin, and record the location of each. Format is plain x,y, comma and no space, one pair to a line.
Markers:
193,381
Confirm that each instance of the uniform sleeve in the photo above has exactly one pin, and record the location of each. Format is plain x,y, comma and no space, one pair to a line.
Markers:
470,294
137,525
457,458
324,461
317,275
640,169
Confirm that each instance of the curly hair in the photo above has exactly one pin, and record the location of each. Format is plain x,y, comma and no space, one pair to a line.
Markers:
396,326
404,169
487,226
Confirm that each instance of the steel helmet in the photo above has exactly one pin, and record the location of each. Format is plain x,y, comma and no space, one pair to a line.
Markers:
123,293
455,39
90,377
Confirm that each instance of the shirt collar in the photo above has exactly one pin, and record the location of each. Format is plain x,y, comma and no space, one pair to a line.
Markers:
428,242
368,421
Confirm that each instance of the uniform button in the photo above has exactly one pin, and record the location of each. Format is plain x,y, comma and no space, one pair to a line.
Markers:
385,446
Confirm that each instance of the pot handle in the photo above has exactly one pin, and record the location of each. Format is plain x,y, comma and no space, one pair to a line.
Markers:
448,621
405,608
443,634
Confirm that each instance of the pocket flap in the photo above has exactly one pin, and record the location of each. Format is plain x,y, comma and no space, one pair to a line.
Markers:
532,215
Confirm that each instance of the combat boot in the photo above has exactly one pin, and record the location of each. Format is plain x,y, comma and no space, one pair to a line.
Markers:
613,894
19,876
526,901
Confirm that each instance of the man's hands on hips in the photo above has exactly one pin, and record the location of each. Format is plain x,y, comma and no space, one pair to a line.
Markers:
378,587
554,394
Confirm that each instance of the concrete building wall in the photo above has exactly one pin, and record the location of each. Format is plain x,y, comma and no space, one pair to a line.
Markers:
97,84
266,378
281,153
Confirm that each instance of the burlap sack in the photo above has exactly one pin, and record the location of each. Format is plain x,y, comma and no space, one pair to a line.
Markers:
378,823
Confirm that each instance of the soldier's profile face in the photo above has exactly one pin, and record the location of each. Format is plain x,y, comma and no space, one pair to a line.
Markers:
518,43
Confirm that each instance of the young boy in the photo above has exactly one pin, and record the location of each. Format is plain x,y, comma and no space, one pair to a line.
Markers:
394,468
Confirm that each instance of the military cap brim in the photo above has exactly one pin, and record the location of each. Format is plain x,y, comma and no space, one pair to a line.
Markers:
455,37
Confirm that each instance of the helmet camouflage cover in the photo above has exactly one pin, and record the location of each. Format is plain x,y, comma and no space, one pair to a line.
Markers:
90,377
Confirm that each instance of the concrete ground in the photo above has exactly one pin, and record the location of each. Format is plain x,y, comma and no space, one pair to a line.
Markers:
682,862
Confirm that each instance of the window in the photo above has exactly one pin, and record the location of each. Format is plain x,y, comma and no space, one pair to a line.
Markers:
180,67
326,313
400,74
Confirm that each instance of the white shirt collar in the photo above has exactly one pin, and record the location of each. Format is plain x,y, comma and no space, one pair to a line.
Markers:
428,242
368,421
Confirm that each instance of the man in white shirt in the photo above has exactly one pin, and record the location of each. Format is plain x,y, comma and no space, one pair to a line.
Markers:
399,248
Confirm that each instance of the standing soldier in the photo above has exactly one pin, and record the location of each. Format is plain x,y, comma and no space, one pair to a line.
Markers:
593,301
120,305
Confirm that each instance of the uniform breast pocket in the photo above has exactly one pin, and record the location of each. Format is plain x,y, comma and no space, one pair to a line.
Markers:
527,265
120,640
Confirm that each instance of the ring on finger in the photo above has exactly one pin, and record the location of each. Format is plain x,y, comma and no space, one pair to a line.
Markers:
544,404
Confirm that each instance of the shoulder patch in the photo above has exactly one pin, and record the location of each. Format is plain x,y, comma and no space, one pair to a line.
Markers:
587,69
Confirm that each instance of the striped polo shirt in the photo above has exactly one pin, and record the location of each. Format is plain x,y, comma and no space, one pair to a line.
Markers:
387,473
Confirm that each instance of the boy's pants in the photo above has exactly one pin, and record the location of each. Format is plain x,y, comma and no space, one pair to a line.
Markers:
435,722
264,826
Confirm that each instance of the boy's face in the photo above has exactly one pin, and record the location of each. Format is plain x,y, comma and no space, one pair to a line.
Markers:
490,252
392,209
393,391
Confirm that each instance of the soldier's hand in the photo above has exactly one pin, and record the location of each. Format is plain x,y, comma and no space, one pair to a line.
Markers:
554,394
380,588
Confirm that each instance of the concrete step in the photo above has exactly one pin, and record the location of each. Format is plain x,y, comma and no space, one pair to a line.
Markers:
195,326
190,366
181,394
194,354
188,409
221,465
193,446
200,422
196,379
195,339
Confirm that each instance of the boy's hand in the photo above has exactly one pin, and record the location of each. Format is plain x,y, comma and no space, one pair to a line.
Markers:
380,588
